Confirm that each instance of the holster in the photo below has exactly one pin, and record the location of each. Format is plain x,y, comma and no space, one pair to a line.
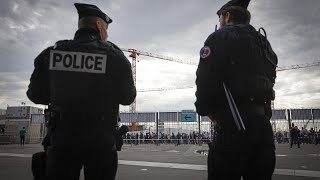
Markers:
51,117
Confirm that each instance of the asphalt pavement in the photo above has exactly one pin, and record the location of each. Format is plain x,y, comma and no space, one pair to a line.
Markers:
168,162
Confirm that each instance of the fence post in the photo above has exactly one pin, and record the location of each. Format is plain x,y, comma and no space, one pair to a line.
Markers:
289,121
289,118
157,127
212,130
314,127
199,124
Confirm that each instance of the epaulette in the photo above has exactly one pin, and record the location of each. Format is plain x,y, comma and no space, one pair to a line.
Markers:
220,34
115,47
61,43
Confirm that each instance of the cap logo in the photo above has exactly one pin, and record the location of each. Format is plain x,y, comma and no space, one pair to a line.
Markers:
205,52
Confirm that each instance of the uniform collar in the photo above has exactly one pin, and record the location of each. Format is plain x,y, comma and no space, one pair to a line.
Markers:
243,26
87,34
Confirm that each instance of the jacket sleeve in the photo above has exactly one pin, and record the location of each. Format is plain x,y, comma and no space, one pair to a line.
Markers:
126,90
210,73
38,89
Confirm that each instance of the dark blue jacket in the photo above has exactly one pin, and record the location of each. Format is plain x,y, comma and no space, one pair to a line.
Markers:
242,58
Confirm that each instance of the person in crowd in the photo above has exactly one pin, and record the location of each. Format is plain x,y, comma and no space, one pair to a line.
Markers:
22,133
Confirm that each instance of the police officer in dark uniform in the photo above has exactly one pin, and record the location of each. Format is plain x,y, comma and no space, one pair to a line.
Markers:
83,81
240,57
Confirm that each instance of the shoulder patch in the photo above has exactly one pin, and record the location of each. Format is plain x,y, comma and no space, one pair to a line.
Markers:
205,52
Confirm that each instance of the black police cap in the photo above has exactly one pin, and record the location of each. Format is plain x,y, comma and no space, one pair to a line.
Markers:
241,3
85,10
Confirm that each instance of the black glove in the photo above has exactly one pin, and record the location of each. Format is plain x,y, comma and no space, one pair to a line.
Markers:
119,140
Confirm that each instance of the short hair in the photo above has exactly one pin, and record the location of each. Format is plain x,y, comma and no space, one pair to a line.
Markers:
239,15
88,22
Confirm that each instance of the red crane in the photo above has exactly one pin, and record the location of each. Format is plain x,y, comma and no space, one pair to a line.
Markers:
134,53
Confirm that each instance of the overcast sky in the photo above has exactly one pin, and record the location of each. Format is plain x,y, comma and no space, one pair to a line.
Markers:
176,28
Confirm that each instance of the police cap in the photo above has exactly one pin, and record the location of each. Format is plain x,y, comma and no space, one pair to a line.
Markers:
241,3
85,10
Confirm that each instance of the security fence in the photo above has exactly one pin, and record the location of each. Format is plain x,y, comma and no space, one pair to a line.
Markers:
185,127
37,128
189,128
187,122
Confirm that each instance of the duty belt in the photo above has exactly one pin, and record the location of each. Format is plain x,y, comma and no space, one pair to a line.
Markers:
257,109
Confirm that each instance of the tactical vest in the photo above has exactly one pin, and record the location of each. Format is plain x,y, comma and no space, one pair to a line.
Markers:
80,77
251,69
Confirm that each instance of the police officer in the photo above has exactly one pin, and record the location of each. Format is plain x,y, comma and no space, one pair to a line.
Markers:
83,81
240,57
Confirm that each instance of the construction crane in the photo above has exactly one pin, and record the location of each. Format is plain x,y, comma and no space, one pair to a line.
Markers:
298,66
279,69
135,53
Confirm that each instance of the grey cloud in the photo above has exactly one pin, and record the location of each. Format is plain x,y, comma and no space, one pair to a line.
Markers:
300,92
13,87
292,26
167,100
298,88
172,28
30,33
158,19
6,9
33,2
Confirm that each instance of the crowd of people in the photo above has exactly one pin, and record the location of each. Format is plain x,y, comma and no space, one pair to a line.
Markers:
166,138
298,136
293,136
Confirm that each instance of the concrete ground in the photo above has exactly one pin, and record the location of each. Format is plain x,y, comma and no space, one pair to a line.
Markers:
168,162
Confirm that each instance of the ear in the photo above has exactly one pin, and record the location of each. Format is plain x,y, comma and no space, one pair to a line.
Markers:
98,25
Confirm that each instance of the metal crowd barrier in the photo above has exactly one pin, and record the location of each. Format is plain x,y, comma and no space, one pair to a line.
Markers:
5,139
166,141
